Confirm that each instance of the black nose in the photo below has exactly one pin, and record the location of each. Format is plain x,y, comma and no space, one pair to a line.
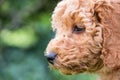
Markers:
50,57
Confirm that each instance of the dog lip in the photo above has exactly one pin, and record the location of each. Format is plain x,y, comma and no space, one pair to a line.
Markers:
67,73
70,72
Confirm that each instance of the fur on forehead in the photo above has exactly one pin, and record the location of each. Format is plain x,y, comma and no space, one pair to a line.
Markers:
70,12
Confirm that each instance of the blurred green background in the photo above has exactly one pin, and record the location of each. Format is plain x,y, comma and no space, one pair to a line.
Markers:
24,33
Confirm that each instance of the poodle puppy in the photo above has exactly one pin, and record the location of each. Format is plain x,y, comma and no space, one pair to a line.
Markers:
87,38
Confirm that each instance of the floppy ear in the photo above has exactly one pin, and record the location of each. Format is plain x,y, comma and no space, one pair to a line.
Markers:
108,15
102,11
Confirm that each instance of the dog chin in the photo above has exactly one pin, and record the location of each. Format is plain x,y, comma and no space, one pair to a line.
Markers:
69,72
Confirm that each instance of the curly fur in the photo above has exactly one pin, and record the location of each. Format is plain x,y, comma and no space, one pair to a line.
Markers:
97,49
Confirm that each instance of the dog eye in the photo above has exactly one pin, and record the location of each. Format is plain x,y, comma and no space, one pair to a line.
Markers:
78,29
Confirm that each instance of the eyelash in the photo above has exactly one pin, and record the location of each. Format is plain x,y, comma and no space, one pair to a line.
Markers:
78,29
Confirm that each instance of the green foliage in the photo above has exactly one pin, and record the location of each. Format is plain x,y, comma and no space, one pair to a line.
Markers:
24,33
22,38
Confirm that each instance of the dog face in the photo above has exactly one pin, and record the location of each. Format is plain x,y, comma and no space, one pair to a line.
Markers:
76,47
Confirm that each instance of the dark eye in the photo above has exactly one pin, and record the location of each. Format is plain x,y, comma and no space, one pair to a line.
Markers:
78,29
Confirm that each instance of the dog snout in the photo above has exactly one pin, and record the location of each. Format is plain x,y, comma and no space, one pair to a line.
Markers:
51,57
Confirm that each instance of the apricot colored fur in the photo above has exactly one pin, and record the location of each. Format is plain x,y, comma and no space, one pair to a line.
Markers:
95,50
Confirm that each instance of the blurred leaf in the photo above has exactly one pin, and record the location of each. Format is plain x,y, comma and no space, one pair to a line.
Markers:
22,38
5,7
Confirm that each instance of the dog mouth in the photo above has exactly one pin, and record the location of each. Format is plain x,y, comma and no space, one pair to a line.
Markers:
69,72
71,64
68,69
75,68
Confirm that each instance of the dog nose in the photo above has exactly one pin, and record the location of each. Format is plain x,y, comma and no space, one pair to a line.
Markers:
51,57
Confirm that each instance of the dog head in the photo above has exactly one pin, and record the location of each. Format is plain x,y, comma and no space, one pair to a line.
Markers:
77,44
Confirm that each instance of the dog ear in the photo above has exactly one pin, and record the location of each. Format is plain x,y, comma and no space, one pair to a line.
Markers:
107,14
103,14
102,11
